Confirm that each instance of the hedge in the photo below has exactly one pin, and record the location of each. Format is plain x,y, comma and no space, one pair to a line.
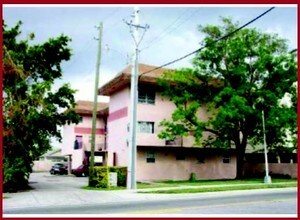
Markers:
99,176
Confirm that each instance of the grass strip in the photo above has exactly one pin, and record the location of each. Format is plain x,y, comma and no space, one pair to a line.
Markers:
171,183
104,189
223,188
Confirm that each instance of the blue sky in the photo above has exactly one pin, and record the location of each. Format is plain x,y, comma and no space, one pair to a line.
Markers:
172,33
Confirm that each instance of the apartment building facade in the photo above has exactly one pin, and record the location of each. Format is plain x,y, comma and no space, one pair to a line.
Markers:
76,142
157,159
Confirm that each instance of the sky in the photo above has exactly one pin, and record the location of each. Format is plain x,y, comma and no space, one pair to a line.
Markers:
172,33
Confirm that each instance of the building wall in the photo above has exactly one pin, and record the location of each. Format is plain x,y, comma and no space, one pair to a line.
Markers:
290,169
83,129
68,139
162,109
117,123
166,167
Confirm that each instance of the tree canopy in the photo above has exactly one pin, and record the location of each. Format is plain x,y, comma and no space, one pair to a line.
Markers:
235,79
32,111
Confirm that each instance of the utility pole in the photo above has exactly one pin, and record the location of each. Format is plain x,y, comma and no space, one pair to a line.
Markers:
267,177
131,177
93,141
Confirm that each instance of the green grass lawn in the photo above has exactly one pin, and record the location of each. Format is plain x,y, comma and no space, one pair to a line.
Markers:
223,188
215,185
205,185
171,183
105,189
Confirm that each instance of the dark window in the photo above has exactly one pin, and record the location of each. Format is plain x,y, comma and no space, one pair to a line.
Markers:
226,158
146,95
145,127
200,158
150,157
78,142
180,156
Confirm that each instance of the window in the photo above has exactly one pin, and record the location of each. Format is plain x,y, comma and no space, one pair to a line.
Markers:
200,158
180,156
146,95
78,142
150,157
226,158
145,127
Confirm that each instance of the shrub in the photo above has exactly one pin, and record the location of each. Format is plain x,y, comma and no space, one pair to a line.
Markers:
192,177
99,176
121,174
15,175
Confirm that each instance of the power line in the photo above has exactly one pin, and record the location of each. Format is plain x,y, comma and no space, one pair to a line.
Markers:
215,41
110,14
164,32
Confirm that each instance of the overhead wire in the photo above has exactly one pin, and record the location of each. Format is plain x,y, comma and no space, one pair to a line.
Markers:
89,42
206,45
166,31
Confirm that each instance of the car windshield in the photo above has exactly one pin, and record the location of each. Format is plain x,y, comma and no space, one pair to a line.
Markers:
59,165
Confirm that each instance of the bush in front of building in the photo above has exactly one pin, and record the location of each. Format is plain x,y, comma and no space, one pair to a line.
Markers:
121,174
99,176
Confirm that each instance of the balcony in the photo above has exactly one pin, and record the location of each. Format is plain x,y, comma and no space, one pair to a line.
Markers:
175,142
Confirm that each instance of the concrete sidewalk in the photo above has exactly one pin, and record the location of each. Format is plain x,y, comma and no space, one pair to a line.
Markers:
87,197
64,191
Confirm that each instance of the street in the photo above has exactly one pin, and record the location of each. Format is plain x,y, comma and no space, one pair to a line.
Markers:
64,195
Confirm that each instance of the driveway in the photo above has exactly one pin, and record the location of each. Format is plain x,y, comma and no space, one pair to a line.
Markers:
46,182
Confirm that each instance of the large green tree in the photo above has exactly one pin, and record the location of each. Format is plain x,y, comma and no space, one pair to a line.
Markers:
32,112
235,79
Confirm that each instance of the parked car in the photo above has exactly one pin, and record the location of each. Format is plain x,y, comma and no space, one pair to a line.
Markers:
82,170
59,168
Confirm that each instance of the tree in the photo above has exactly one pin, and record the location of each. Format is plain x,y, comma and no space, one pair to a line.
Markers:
234,80
32,112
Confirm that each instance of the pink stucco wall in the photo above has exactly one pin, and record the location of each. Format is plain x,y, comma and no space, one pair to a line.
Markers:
275,168
117,128
162,109
83,129
166,167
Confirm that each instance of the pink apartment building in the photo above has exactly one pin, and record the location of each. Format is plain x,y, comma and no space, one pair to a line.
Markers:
76,142
157,159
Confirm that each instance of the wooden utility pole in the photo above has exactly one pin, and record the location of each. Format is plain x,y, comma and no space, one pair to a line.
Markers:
93,141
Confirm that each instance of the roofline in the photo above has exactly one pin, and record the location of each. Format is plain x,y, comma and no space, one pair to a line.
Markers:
123,78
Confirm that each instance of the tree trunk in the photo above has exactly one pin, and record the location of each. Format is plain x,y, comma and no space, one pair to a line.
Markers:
240,154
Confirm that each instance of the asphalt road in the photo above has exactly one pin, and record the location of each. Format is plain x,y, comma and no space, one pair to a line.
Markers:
256,203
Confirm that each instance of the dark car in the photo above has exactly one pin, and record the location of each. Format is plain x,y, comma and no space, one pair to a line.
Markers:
59,168
82,170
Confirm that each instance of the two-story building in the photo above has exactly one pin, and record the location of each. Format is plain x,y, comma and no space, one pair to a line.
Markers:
76,142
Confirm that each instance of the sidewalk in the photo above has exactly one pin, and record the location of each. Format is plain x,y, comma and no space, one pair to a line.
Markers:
36,198
49,190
